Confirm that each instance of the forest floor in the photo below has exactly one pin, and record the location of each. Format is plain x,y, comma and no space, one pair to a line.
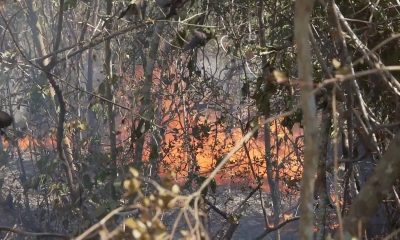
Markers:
251,221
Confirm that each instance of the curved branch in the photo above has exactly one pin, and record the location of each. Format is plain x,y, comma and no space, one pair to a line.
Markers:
96,40
60,135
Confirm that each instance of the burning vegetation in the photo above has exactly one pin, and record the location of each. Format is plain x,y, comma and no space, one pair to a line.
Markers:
183,119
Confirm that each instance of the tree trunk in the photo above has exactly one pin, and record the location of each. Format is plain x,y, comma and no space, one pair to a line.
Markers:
311,154
110,105
320,184
146,104
273,182
90,115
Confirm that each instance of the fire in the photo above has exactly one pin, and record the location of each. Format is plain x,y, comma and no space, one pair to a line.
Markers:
197,142
207,148
23,143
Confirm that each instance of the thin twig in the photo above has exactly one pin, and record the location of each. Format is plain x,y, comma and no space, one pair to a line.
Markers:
33,234
396,196
216,209
99,224
280,225
392,235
